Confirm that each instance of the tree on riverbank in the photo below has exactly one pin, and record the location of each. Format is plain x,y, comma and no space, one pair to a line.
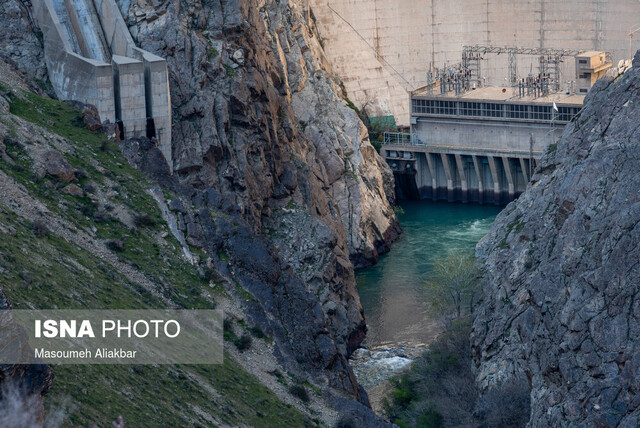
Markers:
453,286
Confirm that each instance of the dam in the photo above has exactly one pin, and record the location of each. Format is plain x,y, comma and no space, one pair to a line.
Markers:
92,58
479,147
469,143
382,49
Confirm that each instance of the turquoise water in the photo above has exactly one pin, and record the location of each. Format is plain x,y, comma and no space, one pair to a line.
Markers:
392,292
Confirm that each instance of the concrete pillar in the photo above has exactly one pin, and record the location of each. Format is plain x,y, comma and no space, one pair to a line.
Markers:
158,101
434,176
130,95
423,171
496,182
463,179
507,170
449,172
525,170
476,165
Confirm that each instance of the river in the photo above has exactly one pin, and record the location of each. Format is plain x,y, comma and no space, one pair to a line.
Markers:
392,292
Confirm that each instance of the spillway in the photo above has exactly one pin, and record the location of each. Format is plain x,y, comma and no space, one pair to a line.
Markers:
91,57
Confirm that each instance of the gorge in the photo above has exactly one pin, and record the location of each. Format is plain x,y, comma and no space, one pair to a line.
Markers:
271,198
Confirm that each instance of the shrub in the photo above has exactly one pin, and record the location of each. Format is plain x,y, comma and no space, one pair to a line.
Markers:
300,392
144,220
514,401
402,395
80,174
429,419
227,324
40,228
115,245
100,217
256,331
243,342
277,373
439,387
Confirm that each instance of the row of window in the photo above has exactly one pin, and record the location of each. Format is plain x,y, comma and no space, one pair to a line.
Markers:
510,111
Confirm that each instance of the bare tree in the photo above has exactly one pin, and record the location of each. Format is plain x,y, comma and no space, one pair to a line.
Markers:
453,286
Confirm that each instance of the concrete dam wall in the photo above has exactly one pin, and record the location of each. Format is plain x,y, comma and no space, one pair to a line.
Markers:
382,48
91,57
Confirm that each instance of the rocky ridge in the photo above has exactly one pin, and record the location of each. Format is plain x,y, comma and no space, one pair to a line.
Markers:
561,307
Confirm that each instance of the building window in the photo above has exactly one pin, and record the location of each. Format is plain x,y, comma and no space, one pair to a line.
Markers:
517,111
582,61
565,114
584,91
446,108
540,112
470,109
492,110
583,76
419,106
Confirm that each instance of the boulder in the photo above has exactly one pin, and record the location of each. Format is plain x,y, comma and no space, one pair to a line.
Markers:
56,166
73,190
91,118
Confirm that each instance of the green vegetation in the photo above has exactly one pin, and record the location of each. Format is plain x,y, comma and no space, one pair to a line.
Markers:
453,286
439,385
377,126
552,147
352,106
40,269
212,52
300,392
229,71
517,224
439,390
257,332
345,422
167,396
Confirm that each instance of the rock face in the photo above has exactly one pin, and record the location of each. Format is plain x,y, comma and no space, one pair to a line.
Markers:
19,41
562,306
262,138
254,109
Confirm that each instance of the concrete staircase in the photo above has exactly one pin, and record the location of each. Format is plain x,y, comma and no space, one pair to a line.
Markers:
91,57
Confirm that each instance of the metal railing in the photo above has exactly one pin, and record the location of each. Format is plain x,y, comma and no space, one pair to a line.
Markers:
402,139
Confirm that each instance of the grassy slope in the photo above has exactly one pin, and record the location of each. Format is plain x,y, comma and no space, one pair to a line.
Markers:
48,272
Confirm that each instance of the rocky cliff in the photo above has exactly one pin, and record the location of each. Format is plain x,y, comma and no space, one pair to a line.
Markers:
258,118
261,134
561,307
277,190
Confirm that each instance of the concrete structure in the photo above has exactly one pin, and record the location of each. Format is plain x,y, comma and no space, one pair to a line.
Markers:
412,35
91,57
590,66
480,146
